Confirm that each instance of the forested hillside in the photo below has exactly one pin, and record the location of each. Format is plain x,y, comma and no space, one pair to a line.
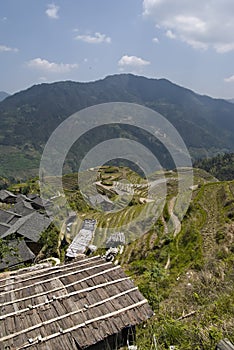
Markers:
221,166
29,117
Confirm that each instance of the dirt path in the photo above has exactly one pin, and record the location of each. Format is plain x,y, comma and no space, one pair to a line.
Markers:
173,218
211,225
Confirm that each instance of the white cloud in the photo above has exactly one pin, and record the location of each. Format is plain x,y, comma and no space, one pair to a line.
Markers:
4,48
201,24
132,61
170,35
223,48
52,11
97,38
51,67
230,79
155,40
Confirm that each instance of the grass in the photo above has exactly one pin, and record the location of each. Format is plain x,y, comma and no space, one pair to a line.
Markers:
197,279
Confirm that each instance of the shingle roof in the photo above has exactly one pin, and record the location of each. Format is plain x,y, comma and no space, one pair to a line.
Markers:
70,306
21,197
7,215
29,226
33,227
21,254
5,194
23,208
3,228
32,195
38,202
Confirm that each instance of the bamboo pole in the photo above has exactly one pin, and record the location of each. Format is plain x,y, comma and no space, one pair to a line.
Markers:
52,278
59,269
58,288
74,328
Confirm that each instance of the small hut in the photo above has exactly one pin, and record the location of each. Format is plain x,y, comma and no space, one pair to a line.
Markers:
101,201
115,240
82,240
86,304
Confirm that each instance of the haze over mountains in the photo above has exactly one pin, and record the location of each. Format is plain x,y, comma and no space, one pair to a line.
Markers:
3,95
29,117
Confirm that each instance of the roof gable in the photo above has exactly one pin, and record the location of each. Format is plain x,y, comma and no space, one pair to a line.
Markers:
4,194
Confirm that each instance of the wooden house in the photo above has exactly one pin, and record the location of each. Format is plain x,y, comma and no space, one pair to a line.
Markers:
19,254
7,197
115,240
29,228
38,203
23,208
8,217
86,304
101,202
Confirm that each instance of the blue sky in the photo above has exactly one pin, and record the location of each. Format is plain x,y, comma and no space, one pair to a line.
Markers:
188,42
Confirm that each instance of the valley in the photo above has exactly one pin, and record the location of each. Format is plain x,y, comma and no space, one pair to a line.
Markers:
184,268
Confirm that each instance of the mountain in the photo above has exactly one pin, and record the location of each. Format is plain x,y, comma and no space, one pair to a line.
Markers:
231,100
3,95
29,117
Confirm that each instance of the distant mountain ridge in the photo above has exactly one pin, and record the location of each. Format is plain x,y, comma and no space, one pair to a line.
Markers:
3,95
29,117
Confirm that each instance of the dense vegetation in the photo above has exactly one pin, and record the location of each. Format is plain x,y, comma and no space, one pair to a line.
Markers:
221,166
29,117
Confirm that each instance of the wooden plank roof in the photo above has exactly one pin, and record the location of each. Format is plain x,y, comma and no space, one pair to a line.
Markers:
71,306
